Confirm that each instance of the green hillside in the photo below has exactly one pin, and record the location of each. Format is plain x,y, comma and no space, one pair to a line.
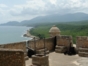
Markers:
74,29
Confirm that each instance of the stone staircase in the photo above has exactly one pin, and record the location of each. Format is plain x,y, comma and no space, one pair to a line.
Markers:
25,56
83,52
42,51
59,49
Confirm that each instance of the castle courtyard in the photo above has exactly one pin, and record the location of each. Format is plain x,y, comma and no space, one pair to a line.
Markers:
58,59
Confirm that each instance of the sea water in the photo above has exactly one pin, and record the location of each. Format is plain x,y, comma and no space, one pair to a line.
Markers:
10,34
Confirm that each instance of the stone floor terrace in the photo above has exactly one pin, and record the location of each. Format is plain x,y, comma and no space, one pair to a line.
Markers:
58,59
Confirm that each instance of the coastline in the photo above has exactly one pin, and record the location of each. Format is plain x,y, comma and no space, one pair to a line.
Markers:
27,34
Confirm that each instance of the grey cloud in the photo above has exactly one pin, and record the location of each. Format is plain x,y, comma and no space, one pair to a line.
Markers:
62,6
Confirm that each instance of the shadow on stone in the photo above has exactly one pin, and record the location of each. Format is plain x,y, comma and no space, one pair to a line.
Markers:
30,52
70,51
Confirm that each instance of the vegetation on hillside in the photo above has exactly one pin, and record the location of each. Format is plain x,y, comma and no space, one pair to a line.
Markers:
73,28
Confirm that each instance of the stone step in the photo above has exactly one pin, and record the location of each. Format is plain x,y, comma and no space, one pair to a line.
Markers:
25,54
59,47
83,54
41,51
83,49
58,50
26,57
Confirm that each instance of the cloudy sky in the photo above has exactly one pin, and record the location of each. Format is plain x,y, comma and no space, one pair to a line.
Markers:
18,10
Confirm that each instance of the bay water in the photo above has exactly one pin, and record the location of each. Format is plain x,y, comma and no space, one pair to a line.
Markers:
10,34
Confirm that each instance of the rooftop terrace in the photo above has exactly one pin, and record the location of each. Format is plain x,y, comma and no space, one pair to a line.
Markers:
58,59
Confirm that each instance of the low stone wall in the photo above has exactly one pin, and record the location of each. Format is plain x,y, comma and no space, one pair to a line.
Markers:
49,44
11,57
82,41
17,45
64,40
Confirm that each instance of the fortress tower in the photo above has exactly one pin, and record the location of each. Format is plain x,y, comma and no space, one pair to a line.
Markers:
54,31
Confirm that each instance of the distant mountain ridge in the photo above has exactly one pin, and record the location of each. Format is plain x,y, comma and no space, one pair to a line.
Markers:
51,19
11,23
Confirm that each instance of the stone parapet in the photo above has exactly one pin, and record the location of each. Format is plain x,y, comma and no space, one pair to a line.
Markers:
49,44
59,49
10,57
64,40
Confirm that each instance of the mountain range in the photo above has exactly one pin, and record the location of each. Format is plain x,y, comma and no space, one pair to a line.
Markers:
50,19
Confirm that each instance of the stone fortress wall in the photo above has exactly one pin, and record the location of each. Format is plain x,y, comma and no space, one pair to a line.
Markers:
82,41
49,43
12,56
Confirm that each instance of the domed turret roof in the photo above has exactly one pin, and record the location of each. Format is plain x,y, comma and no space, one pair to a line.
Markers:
54,29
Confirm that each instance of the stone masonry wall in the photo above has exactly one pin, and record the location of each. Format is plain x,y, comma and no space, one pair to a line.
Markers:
49,43
64,40
11,57
17,45
82,41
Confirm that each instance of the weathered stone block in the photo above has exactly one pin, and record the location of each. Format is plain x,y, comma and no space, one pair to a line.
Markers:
40,60
11,57
83,54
